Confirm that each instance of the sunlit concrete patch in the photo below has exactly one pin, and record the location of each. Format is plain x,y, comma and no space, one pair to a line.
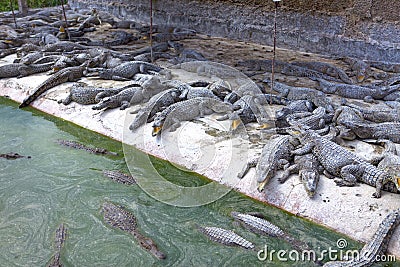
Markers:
207,147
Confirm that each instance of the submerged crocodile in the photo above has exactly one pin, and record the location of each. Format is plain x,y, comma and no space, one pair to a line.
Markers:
61,235
339,162
120,218
226,237
76,145
377,246
262,226
119,177
170,118
13,155
71,74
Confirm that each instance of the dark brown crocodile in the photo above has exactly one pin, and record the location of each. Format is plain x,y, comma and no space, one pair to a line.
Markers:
119,217
13,155
76,145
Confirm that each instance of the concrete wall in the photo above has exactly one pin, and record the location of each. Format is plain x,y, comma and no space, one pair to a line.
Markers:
366,29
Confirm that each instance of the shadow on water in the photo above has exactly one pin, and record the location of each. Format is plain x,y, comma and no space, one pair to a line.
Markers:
59,184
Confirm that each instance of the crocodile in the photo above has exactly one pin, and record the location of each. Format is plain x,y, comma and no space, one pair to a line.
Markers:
120,177
295,106
377,114
119,217
63,46
20,70
355,91
261,64
377,246
165,37
156,104
325,68
274,155
121,100
361,69
390,162
249,108
339,162
209,69
198,92
308,168
318,98
127,70
316,120
220,88
170,118
71,74
76,145
120,38
262,226
385,66
61,235
13,155
148,89
226,237
383,130
293,70
88,95
342,115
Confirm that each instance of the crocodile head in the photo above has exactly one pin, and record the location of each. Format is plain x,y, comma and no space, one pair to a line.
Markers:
157,127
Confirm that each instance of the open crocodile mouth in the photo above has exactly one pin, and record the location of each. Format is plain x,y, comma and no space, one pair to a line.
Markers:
156,130
235,124
261,186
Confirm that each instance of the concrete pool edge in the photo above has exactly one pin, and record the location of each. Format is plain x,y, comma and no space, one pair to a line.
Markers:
358,213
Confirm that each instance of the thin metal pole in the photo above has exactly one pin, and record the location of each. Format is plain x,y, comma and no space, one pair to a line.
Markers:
151,31
65,19
12,10
274,49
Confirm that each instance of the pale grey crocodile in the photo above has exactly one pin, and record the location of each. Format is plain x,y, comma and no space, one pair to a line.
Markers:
226,237
170,118
376,247
339,162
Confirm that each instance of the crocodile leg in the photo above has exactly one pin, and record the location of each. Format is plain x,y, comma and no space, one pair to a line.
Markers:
303,150
347,174
250,164
288,171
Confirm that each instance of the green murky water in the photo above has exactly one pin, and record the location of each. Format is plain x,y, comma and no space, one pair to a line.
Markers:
59,184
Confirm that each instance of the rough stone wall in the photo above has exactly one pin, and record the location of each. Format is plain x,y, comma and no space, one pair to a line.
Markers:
367,29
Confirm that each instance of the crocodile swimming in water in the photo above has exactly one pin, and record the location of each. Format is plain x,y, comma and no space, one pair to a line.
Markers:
119,217
76,145
61,235
226,237
119,177
13,155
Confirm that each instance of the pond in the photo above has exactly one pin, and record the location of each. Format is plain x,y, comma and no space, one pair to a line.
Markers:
62,185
